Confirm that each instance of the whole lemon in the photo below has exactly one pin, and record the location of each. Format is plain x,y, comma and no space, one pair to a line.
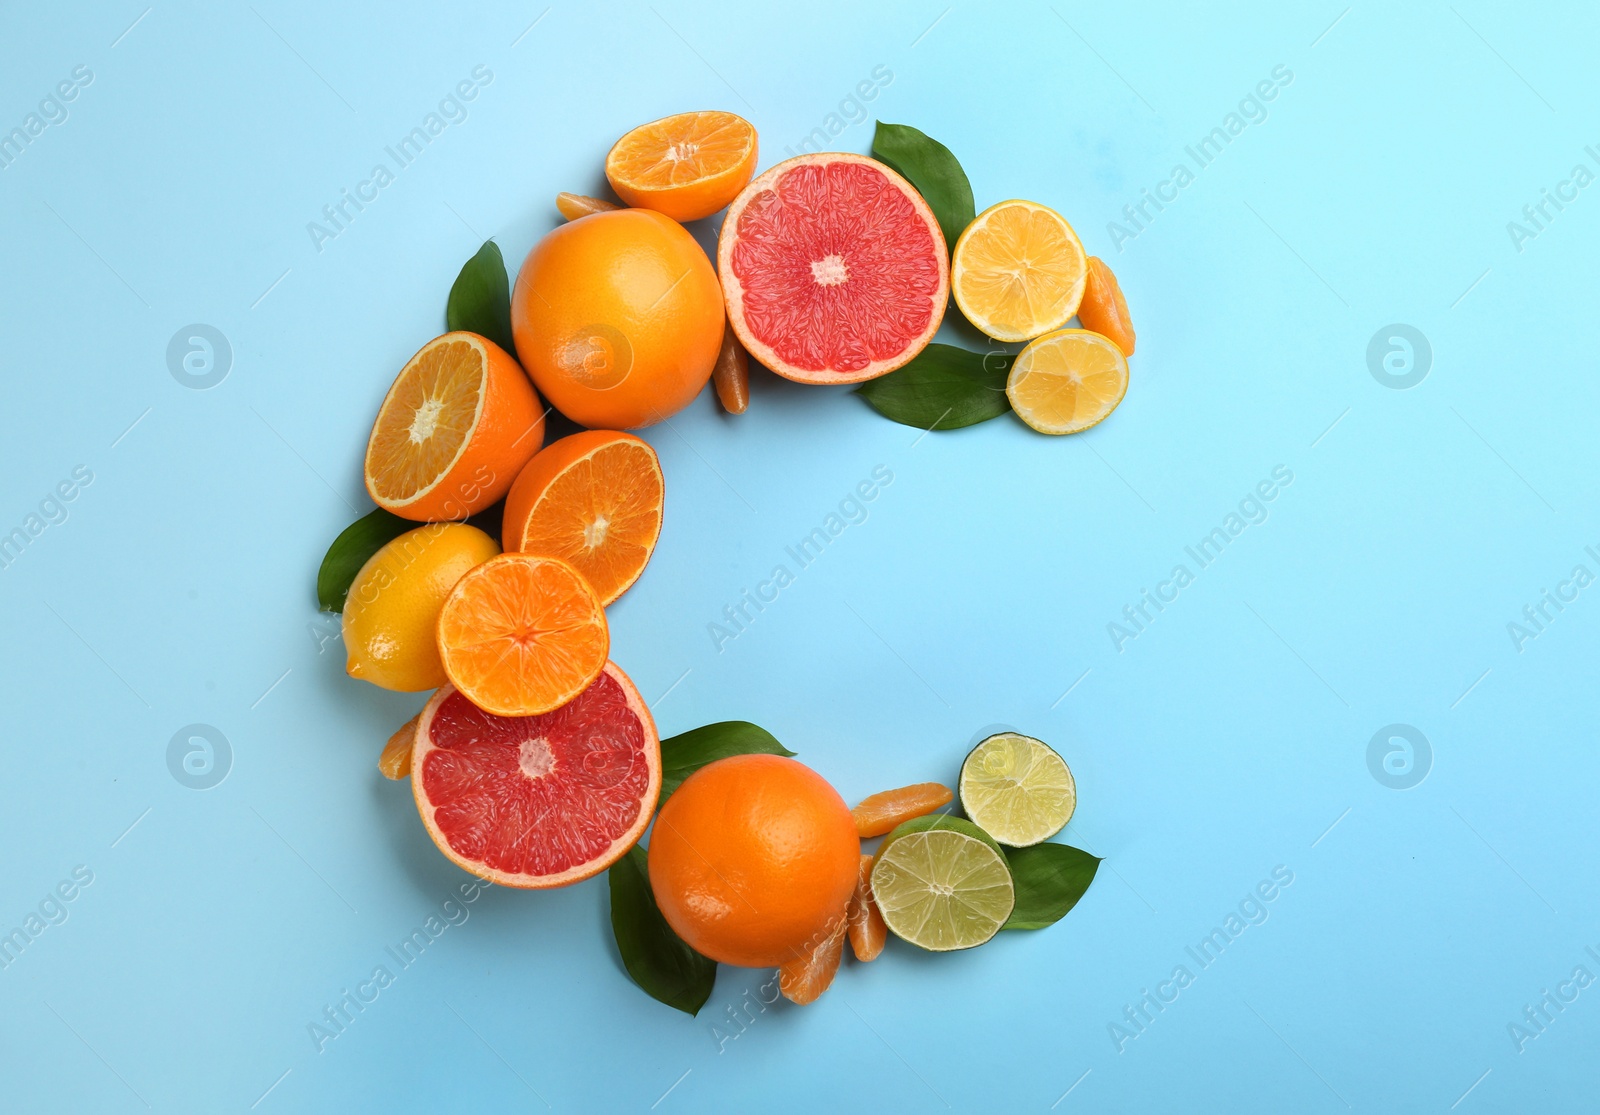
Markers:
392,612
618,318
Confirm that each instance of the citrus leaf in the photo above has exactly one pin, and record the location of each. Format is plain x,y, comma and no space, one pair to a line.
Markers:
683,754
1050,878
480,300
929,166
942,388
656,958
350,551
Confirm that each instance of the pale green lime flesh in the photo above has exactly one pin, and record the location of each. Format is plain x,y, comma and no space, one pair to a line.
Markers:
1017,789
942,890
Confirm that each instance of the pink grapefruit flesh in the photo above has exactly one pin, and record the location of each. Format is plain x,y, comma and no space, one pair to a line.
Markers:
833,268
538,801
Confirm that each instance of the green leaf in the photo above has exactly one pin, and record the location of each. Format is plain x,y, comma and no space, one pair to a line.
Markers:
942,388
480,300
656,957
350,551
686,753
929,166
1050,878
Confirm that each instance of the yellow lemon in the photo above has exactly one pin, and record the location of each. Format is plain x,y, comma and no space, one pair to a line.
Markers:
392,612
1018,271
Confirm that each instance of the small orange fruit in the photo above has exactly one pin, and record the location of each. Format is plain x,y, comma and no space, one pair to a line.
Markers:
1103,308
868,932
618,318
522,635
593,500
803,980
687,166
883,812
753,860
457,425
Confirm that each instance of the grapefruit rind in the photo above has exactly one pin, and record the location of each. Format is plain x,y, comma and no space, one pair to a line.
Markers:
733,287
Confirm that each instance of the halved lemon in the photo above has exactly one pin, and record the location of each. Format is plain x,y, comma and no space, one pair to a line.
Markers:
1018,789
1018,271
687,166
1067,381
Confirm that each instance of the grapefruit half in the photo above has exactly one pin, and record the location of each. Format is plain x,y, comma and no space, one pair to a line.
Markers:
833,269
538,801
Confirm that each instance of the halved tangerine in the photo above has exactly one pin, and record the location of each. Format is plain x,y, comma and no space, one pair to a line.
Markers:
593,500
833,268
538,801
687,166
458,424
522,635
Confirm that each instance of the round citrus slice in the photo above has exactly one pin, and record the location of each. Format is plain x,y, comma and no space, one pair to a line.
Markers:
687,166
1018,271
1104,309
593,500
1067,381
456,427
538,801
1017,789
522,635
942,883
833,268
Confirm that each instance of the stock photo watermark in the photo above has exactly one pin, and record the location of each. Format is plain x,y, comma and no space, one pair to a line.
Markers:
53,909
1399,756
199,356
1539,1015
1399,356
1252,511
1536,216
199,757
850,112
1539,615
52,112
51,511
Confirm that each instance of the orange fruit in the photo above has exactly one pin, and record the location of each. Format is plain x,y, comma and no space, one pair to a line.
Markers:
881,813
804,979
395,762
593,500
618,318
458,424
573,206
1017,272
687,166
1067,381
538,801
867,929
753,860
1103,308
522,635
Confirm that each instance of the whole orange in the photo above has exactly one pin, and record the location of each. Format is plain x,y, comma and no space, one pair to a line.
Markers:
618,318
753,859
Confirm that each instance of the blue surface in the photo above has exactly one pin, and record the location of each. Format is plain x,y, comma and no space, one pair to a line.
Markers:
1227,740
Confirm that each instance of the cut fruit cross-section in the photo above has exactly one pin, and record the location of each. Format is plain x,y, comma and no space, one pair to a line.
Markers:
593,500
457,425
1067,381
833,268
1018,789
687,166
538,801
942,883
522,635
1018,271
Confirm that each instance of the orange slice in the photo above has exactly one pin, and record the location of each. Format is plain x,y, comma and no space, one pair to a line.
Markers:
1103,308
457,425
804,979
1067,381
1018,271
594,501
883,812
573,206
867,929
687,166
395,762
522,635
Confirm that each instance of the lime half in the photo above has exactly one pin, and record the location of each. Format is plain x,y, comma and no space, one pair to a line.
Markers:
942,883
1017,790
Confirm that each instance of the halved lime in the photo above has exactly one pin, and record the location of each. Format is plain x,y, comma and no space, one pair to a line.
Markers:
942,883
1017,790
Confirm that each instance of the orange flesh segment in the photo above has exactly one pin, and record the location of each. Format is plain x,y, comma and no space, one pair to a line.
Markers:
866,926
880,813
601,515
680,149
395,762
522,635
1104,309
573,206
731,374
427,418
803,980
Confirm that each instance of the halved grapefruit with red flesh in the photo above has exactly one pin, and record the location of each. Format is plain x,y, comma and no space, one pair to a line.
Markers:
833,268
538,801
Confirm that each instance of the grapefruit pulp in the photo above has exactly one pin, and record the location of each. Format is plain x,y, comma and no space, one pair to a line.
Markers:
833,269
538,801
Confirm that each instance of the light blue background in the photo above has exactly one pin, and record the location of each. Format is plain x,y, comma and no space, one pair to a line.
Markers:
1228,738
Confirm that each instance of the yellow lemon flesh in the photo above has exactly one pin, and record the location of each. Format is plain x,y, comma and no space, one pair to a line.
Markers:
1018,271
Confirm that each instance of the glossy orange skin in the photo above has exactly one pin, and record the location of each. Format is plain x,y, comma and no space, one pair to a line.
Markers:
753,860
1103,308
618,318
